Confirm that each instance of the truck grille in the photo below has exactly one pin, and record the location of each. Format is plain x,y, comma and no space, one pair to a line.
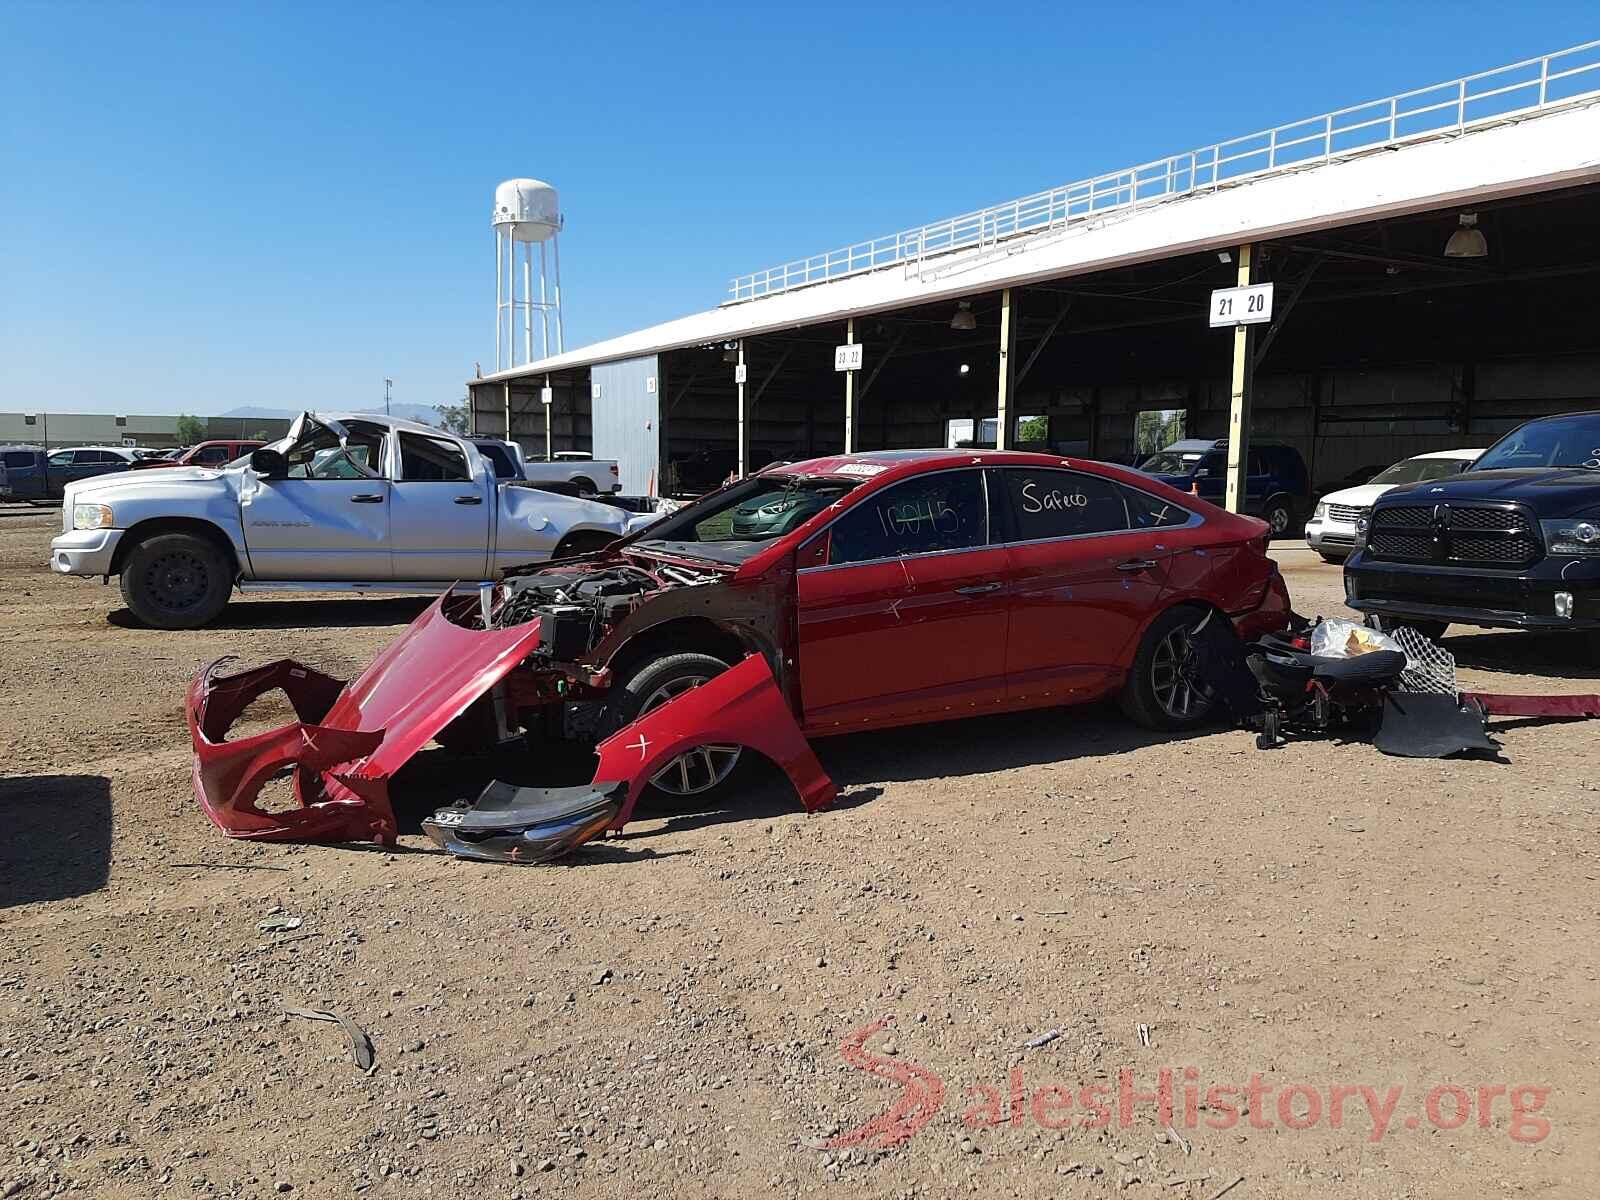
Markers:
1471,535
1345,514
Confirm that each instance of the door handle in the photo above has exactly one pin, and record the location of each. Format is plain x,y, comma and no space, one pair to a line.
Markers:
469,499
367,498
1137,564
977,589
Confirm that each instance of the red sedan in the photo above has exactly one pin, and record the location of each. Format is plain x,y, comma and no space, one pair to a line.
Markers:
852,592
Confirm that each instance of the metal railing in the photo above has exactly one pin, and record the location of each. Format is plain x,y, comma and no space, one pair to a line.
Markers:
1533,85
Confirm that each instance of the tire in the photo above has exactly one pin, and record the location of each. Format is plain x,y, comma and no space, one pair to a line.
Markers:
585,541
1432,630
585,486
1279,516
1154,692
1334,559
706,772
176,581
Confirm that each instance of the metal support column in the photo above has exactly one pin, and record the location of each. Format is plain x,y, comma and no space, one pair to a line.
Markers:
744,424
850,394
548,397
1008,339
508,409
1244,353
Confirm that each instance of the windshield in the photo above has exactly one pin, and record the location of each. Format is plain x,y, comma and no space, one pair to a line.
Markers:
1171,462
731,525
1420,470
1553,442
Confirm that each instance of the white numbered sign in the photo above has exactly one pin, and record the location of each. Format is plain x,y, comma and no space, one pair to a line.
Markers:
1241,305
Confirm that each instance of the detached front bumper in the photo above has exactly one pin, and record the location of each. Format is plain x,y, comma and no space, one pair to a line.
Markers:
84,551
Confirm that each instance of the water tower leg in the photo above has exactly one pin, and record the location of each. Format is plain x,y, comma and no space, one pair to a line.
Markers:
527,311
544,306
561,329
499,289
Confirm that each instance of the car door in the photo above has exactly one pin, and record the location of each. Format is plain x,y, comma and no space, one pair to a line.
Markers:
211,456
1085,579
329,518
439,521
902,617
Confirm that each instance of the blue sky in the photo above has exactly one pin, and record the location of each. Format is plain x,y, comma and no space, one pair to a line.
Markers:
216,205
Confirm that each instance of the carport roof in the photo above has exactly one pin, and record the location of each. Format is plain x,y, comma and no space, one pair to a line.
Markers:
1520,156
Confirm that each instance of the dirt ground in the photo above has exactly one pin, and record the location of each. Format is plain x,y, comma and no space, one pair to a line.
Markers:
667,1013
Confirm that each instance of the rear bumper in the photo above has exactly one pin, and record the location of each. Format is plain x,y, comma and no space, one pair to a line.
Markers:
1466,596
84,551
1269,616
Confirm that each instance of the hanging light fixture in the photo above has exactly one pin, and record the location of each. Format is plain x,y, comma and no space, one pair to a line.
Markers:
1467,241
963,321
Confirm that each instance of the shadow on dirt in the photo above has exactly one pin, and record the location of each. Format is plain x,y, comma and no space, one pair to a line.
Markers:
977,745
346,612
1514,652
57,841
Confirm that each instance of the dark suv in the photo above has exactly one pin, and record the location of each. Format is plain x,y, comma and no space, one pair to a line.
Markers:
1277,487
1512,543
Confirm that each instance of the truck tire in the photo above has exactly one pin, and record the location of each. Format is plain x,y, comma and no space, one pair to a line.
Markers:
176,581
1158,693
1279,516
705,772
585,486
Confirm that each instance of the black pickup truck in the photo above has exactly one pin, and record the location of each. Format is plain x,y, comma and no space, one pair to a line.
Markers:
1512,543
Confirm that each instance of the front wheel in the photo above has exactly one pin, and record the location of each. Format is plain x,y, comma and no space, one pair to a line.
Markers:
176,581
1333,559
1162,690
698,772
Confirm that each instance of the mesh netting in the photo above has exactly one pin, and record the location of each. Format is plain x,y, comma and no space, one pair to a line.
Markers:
1428,668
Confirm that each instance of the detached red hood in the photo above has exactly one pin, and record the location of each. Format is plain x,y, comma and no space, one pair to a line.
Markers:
350,738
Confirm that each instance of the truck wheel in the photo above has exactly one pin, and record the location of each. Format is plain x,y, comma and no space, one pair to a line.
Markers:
702,772
585,486
1432,630
1160,691
176,581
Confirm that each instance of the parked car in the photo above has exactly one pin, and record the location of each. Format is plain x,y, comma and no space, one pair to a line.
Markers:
589,476
1331,532
356,502
1277,489
216,453
930,584
37,475
1513,542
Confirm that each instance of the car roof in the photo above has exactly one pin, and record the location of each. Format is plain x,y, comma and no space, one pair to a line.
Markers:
1448,454
116,449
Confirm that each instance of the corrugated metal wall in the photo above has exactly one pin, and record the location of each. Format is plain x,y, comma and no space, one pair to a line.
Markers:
625,398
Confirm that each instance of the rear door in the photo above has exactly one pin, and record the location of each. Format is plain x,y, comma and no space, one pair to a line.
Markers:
1086,574
330,518
903,615
440,519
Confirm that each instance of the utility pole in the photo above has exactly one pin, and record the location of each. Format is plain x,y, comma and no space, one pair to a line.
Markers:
387,385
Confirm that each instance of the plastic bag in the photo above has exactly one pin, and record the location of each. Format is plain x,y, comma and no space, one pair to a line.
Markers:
1336,638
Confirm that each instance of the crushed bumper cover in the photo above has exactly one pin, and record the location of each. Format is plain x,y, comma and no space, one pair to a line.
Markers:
742,705
349,739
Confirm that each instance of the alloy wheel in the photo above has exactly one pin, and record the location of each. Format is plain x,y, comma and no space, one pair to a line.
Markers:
698,769
1172,677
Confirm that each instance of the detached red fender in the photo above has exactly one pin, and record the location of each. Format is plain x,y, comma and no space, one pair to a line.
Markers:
742,705
350,739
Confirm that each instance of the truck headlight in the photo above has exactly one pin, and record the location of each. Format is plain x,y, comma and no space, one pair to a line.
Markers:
1573,537
1320,511
1363,525
91,516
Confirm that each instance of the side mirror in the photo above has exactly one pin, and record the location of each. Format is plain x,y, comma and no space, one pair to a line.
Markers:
269,463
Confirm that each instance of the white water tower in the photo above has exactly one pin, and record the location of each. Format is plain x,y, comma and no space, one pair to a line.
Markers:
527,213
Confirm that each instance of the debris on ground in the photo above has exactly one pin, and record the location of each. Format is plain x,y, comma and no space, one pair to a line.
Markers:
361,1048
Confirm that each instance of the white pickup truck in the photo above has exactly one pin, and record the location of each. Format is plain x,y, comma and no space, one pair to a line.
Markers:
347,502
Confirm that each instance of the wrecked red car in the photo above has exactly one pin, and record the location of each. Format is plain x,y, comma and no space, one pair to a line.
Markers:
841,594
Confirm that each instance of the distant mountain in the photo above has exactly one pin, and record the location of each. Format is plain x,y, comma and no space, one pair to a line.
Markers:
425,413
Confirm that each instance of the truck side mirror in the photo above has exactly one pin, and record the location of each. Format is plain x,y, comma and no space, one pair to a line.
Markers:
269,463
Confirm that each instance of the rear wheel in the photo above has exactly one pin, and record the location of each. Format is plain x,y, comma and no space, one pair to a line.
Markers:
702,771
1162,690
585,486
176,581
1432,630
1279,515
